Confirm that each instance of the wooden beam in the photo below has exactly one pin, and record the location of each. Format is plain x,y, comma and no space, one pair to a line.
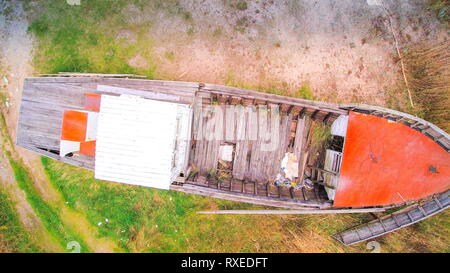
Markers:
303,211
240,197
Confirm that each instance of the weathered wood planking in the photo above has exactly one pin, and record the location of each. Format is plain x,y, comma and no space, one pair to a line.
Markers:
44,100
247,198
259,148
245,93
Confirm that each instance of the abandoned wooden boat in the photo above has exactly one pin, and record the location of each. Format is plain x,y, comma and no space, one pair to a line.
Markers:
241,145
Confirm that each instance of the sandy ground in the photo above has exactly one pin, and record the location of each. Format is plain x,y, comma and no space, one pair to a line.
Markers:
342,49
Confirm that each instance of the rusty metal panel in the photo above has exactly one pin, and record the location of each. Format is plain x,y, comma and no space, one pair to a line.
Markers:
385,162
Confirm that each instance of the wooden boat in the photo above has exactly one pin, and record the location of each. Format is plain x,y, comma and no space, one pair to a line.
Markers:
242,145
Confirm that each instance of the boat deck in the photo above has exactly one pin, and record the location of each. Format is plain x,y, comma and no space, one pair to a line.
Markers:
257,160
260,140
44,100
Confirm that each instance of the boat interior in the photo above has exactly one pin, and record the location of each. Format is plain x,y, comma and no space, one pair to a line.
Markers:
255,147
239,148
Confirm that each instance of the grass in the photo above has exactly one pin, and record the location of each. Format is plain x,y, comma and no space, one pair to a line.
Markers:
83,39
240,5
13,236
147,220
170,55
140,219
429,76
442,10
273,87
321,133
48,215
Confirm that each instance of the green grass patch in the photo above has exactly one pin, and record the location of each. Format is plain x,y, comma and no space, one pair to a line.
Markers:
240,5
147,220
47,214
321,133
275,87
304,92
83,38
13,236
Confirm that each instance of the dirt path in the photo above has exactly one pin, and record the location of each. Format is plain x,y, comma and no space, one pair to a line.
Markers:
27,216
15,60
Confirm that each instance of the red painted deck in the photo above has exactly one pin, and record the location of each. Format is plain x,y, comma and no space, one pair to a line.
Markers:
88,147
92,102
74,126
386,162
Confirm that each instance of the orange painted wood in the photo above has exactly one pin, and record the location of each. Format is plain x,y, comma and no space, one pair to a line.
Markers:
88,148
92,102
386,162
74,126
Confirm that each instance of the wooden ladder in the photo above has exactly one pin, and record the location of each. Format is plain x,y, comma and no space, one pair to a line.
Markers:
394,221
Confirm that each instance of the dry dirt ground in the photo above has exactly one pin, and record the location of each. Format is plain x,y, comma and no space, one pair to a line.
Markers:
344,50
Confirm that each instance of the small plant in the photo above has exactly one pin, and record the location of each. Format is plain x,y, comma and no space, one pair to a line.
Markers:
442,10
217,32
193,173
190,31
304,92
241,5
170,55
321,133
241,24
212,173
187,16
39,27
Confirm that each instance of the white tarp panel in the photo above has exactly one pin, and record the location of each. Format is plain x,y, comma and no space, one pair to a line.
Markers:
136,141
339,126
333,160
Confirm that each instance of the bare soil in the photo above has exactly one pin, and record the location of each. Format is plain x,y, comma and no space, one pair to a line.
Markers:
342,49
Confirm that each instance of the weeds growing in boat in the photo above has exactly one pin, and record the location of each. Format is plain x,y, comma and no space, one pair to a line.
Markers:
321,133
428,67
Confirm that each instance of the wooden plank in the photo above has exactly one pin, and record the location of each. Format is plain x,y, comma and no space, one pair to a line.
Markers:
73,74
394,221
329,107
286,212
240,197
81,161
123,82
